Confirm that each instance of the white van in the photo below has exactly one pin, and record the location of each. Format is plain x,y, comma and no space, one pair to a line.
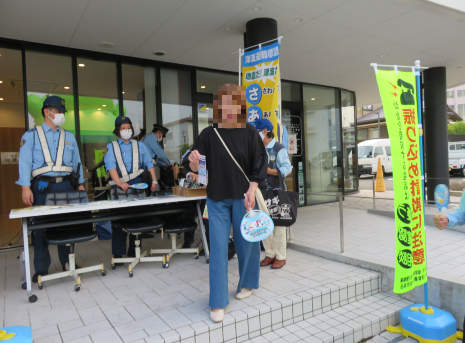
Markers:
457,158
368,153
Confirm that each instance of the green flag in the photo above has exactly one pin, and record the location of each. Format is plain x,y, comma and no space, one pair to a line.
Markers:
398,94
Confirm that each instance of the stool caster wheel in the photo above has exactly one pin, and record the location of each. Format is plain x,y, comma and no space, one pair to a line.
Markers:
131,274
196,257
104,272
166,265
113,267
24,285
208,260
40,285
77,288
32,298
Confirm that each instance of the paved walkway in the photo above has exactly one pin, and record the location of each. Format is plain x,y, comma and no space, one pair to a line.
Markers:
372,236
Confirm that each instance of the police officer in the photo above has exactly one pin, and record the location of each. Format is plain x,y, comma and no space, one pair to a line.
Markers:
125,160
278,162
48,162
152,140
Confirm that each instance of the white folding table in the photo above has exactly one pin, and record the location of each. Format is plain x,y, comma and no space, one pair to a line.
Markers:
43,217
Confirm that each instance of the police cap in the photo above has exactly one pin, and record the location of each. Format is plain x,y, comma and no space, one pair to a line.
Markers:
163,129
55,102
121,120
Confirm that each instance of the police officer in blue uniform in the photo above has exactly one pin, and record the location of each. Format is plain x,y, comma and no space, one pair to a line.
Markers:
49,161
126,160
152,140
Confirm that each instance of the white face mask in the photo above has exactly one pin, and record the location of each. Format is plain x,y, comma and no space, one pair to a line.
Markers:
126,134
160,138
59,119
262,136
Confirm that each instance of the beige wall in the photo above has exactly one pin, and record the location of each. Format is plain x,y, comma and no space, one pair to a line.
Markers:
11,114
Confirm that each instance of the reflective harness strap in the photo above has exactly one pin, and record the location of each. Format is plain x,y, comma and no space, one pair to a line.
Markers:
58,165
125,177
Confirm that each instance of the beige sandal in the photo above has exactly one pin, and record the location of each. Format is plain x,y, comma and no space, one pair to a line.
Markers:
217,316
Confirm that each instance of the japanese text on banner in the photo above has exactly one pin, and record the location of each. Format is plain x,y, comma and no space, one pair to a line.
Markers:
398,94
260,79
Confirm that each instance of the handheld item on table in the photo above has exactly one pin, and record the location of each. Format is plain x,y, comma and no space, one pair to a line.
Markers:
442,198
139,186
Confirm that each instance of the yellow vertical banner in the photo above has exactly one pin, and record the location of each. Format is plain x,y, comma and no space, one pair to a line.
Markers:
261,81
398,94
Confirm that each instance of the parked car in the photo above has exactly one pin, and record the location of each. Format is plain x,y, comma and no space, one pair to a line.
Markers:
368,153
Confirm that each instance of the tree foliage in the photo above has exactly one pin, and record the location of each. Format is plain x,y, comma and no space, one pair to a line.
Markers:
457,128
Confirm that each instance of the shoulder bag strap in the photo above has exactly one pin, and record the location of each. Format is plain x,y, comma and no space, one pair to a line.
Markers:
258,193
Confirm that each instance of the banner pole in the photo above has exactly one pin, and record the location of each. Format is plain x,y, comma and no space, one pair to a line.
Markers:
420,126
240,66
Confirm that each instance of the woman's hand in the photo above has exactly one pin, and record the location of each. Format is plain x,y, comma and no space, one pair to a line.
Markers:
123,185
441,221
154,187
249,201
194,157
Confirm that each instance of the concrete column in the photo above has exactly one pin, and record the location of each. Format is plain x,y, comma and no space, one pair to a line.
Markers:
435,125
260,30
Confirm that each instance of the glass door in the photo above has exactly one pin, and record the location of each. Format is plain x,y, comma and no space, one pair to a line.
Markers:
292,120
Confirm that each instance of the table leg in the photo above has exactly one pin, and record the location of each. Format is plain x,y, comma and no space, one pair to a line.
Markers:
32,297
202,233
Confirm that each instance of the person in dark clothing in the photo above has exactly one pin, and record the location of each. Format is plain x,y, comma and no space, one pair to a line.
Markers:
225,192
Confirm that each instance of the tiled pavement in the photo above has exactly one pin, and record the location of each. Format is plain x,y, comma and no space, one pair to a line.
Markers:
171,305
370,236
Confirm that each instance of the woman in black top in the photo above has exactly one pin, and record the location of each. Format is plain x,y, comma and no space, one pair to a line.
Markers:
225,193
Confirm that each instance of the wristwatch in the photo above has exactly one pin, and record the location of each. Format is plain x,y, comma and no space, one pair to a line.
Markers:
155,182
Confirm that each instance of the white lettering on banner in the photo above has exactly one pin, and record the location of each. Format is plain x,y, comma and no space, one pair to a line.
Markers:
252,58
258,56
253,94
253,115
270,53
264,54
266,114
276,51
247,59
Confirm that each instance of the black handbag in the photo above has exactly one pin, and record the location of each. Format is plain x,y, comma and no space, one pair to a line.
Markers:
282,205
168,176
231,248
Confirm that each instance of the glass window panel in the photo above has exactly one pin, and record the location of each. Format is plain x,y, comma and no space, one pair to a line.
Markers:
139,97
290,91
98,107
452,147
323,143
205,114
450,94
362,134
461,110
374,133
349,142
388,150
49,74
12,128
208,81
379,151
177,111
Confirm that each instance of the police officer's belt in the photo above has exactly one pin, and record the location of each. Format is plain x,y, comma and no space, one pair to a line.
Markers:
53,179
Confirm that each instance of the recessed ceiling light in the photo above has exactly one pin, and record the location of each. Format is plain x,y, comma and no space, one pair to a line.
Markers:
66,87
1,81
228,29
382,55
298,20
257,8
123,92
202,87
312,99
1,99
159,53
81,65
99,109
208,108
106,44
104,105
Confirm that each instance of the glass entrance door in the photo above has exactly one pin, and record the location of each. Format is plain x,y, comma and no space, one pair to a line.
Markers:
292,120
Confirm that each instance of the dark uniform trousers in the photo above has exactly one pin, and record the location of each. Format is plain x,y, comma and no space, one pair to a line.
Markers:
42,259
189,236
119,237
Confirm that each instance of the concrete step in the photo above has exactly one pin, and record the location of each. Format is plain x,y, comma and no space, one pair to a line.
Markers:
346,312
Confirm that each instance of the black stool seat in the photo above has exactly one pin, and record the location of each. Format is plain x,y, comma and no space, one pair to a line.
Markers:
72,234
179,227
139,224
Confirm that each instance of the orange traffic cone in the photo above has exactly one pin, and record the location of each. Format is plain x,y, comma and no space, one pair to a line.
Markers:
380,186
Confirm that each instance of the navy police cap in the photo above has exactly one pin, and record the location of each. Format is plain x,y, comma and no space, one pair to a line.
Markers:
261,124
121,120
55,102
163,129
